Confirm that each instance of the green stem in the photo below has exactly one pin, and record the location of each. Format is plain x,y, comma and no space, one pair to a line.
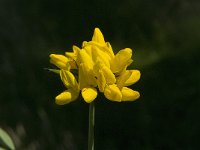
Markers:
91,126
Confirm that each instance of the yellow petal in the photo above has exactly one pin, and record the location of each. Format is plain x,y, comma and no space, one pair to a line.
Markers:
86,76
98,36
89,94
97,66
70,54
124,76
113,93
88,50
83,57
135,76
121,60
106,47
100,55
101,81
68,79
60,61
64,78
85,43
66,97
73,54
104,75
109,76
73,57
76,49
129,94
110,50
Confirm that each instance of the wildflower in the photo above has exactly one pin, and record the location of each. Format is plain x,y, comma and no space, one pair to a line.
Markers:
87,80
97,67
114,88
72,86
60,61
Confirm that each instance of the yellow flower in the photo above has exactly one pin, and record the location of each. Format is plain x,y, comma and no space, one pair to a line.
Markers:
65,62
121,60
60,61
114,88
87,80
98,67
72,86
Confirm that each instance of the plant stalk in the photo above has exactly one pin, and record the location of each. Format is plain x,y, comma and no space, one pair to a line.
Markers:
91,126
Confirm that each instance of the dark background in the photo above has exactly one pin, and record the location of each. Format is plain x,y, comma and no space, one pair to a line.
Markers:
165,38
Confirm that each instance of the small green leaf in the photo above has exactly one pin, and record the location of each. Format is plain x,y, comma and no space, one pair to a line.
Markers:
57,71
6,141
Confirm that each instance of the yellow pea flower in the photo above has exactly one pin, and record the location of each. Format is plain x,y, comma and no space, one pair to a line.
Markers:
87,81
114,88
103,75
113,93
60,61
72,86
133,78
84,57
129,94
66,97
127,78
86,76
121,60
98,67
89,94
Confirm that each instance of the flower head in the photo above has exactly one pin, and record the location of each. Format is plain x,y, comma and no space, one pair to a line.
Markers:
98,68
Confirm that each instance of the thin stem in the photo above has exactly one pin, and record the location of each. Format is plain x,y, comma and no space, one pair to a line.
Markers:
91,126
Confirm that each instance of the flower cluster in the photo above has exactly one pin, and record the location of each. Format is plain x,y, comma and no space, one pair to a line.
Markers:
96,67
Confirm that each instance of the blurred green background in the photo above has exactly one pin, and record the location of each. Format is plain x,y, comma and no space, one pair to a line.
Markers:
165,37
